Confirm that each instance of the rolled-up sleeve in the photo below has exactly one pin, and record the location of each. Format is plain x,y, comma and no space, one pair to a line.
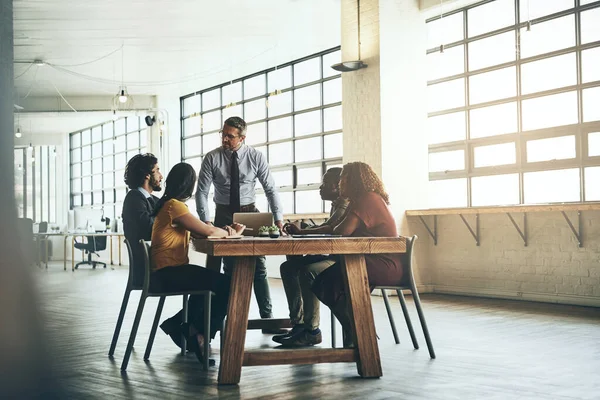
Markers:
205,178
268,183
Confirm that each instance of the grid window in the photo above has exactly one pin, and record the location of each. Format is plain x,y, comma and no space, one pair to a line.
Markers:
35,183
294,117
517,122
100,164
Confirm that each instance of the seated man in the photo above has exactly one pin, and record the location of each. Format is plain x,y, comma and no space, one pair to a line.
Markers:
299,272
142,176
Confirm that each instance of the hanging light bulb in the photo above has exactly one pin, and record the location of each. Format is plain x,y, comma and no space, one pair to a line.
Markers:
114,114
123,96
30,146
18,133
32,155
20,167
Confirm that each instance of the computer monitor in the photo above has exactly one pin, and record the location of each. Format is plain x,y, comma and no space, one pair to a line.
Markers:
91,215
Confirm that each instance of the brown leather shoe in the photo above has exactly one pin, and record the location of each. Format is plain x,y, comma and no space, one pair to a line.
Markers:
302,339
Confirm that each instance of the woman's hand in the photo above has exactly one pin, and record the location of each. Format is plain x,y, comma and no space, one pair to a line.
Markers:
238,229
230,231
291,229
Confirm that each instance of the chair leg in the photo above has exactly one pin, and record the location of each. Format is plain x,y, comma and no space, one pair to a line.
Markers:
207,305
423,323
386,300
185,320
333,330
409,325
159,309
115,338
134,329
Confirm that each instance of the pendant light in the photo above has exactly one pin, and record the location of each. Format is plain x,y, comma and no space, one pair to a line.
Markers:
348,66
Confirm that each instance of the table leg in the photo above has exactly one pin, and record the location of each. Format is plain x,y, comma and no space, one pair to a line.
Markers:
65,252
359,305
119,239
46,255
234,340
111,256
73,253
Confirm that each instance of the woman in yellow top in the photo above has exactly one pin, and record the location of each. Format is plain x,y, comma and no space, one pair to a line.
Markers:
171,268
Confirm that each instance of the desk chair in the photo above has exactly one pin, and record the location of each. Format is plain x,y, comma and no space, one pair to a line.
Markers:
92,246
162,295
408,285
27,241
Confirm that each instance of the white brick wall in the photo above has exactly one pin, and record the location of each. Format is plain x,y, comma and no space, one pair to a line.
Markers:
551,268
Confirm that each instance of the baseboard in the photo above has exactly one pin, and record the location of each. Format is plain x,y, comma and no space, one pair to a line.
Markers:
588,301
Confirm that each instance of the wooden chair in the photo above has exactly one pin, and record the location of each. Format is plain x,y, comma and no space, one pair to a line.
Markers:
162,296
409,285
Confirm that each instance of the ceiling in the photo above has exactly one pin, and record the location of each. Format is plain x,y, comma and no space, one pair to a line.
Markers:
155,45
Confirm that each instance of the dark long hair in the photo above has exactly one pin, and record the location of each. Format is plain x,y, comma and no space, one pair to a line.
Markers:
179,185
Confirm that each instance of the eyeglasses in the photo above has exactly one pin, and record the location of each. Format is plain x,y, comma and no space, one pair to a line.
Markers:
227,135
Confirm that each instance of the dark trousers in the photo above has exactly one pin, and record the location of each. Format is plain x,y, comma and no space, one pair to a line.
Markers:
224,216
194,277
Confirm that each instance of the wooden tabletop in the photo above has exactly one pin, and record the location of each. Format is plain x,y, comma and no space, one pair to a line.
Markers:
255,246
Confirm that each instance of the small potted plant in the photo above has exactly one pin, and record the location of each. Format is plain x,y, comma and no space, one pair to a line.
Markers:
263,231
274,232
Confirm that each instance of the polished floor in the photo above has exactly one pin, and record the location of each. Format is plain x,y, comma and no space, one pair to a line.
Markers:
486,349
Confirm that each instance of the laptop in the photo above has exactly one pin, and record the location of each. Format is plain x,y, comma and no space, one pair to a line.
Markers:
253,221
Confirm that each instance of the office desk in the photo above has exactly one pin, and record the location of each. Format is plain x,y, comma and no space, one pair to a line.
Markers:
74,235
234,356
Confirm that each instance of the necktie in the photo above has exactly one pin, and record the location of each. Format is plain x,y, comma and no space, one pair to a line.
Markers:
234,190
151,202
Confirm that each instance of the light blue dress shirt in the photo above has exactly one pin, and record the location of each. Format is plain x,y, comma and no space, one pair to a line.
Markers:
216,168
144,192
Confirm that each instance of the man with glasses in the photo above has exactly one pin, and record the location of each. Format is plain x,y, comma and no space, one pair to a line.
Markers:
233,169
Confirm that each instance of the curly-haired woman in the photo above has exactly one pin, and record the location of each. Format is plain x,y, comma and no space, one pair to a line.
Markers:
368,215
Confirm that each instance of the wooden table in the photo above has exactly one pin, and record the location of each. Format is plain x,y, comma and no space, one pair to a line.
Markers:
234,356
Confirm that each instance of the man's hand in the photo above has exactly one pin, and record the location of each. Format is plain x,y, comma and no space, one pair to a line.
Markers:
238,228
279,224
291,229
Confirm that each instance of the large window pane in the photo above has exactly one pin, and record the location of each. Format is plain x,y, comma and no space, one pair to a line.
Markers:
332,118
590,27
307,97
545,112
280,128
495,190
549,73
256,133
551,186
192,126
333,145
193,146
590,65
280,79
447,161
211,121
557,148
445,30
594,144
307,71
232,111
447,128
280,153
548,36
446,95
307,123
232,93
491,51
308,149
309,175
329,60
491,16
280,104
592,189
494,120
255,110
211,99
210,142
332,91
308,202
283,178
448,193
532,9
255,86
493,85
591,104
450,62
496,154
191,105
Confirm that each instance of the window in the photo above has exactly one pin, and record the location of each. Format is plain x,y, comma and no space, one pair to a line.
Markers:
35,183
98,159
513,103
294,117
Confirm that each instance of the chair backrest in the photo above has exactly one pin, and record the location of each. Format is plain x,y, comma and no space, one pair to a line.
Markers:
26,239
100,241
130,281
407,259
146,252
43,227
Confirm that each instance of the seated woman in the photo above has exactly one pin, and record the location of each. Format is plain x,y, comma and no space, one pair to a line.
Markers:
171,270
368,215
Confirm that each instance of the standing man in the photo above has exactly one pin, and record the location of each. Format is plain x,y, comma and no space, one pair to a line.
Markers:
233,169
